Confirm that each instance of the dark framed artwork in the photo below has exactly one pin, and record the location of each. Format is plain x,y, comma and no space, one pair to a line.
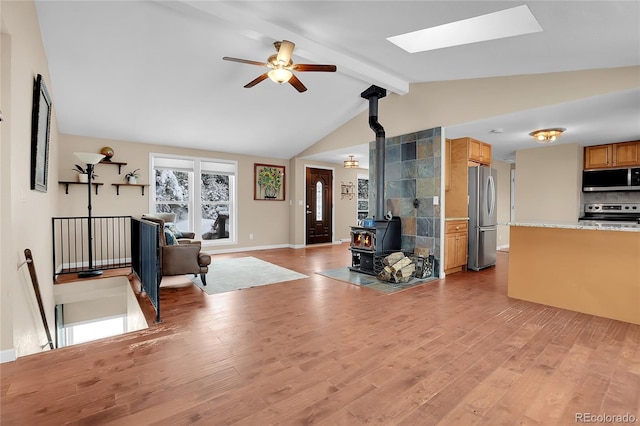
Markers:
268,182
40,127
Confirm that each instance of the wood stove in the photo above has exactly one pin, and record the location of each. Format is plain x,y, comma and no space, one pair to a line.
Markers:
371,243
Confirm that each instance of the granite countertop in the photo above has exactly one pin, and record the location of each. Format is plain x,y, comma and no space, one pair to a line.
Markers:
455,218
578,225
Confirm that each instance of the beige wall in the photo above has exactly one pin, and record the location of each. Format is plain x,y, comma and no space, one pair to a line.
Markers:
503,198
548,183
25,214
268,221
446,103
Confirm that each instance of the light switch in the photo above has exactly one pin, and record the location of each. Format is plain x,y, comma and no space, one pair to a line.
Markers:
436,200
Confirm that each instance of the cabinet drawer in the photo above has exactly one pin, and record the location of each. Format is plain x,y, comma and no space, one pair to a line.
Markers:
456,226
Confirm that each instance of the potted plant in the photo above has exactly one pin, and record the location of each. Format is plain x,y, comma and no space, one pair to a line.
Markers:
132,177
83,174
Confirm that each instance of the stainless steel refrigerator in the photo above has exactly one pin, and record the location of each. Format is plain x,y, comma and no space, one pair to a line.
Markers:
482,217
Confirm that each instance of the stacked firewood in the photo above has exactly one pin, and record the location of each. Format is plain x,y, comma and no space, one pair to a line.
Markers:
398,268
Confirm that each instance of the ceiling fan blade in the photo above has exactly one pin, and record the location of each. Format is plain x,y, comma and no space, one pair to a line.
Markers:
314,67
245,61
256,80
285,51
297,84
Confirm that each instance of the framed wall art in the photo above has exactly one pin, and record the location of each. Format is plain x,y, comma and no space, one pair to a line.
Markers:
269,182
40,127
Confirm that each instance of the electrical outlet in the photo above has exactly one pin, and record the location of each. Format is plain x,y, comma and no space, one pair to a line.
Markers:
251,236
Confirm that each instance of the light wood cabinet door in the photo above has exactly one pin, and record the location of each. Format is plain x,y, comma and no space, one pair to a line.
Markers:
462,249
598,156
479,152
623,154
450,251
626,154
447,164
456,241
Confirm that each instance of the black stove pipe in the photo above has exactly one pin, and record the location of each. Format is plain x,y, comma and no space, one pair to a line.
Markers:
374,93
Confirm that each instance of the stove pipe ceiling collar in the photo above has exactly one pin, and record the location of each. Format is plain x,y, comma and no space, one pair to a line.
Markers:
374,93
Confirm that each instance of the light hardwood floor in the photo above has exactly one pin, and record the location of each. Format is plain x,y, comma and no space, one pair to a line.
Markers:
318,351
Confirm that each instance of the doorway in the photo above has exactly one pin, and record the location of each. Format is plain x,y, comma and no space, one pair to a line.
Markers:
319,205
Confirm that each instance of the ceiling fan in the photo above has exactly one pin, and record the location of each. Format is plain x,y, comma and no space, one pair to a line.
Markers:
282,66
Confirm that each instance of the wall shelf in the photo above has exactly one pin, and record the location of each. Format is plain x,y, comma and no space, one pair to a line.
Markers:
66,184
115,163
118,185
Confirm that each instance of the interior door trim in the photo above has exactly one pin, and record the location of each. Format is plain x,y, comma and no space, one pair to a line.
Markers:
304,200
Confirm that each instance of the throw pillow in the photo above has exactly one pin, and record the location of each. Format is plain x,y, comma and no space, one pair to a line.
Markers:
174,229
171,239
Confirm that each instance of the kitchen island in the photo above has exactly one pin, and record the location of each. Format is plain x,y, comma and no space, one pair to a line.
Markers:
594,269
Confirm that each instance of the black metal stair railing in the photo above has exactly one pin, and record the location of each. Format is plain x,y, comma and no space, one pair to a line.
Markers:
146,259
111,244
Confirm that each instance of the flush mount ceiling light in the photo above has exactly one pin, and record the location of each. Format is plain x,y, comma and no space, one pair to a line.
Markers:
351,163
492,26
547,135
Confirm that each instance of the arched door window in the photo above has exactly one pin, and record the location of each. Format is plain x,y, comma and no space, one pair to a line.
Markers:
319,200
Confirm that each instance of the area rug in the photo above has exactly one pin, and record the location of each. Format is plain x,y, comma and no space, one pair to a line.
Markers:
243,272
369,281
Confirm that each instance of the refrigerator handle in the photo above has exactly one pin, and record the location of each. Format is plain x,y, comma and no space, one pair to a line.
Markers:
491,195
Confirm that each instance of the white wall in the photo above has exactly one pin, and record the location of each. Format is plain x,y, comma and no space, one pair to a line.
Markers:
548,183
25,215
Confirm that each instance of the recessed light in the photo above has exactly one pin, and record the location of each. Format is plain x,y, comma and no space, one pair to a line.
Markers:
502,24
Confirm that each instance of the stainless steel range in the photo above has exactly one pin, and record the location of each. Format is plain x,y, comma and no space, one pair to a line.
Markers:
619,213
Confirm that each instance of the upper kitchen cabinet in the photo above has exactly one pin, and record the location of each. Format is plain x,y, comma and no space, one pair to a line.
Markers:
624,154
479,152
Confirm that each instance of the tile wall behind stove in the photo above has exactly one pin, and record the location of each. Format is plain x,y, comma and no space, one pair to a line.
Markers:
412,172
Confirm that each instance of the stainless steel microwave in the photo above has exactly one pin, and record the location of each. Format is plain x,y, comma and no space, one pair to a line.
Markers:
627,179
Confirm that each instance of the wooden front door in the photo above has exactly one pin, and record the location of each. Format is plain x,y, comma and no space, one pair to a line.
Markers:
319,207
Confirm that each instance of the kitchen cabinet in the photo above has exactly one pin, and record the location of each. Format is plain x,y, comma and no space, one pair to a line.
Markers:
447,164
457,165
455,245
479,152
624,154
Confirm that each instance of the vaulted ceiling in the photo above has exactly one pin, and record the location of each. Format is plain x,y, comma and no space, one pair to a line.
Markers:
152,71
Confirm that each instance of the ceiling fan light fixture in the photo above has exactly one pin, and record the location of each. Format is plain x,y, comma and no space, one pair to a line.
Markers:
351,163
280,75
547,135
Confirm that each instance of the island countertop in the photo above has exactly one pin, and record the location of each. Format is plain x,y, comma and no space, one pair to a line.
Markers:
627,227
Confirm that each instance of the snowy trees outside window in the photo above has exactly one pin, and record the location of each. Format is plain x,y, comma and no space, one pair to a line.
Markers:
215,206
200,192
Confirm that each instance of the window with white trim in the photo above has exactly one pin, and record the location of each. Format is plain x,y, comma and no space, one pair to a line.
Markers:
201,192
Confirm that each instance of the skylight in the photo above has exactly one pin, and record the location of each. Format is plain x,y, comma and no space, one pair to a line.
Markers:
492,26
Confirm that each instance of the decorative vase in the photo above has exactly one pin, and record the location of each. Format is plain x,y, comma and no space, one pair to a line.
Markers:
83,178
107,151
269,192
132,180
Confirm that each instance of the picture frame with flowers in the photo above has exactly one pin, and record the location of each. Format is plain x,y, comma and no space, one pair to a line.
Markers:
269,182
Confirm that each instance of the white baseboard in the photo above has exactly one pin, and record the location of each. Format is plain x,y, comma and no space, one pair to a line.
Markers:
239,249
8,355
504,247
